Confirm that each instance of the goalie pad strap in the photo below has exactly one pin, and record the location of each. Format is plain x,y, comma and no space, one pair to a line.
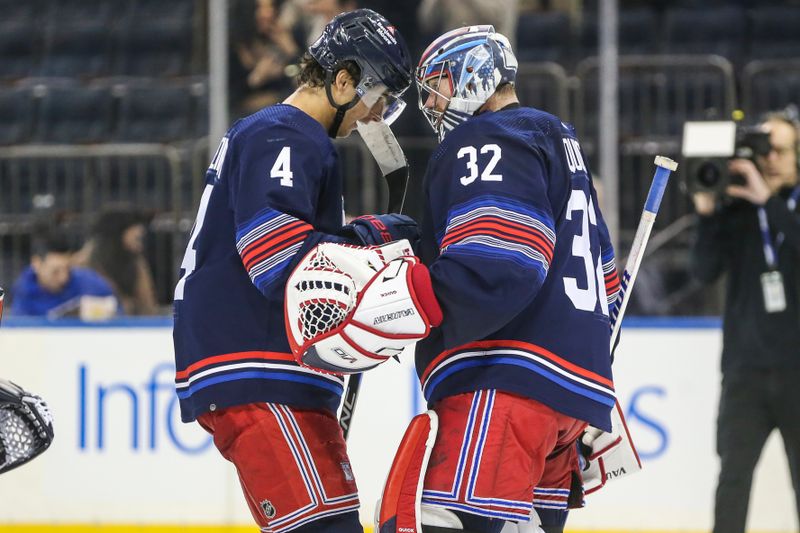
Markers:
402,494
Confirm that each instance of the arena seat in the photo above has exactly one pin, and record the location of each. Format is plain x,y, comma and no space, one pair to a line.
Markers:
78,49
15,11
156,38
156,48
544,36
720,30
71,113
20,48
16,115
773,32
153,111
638,33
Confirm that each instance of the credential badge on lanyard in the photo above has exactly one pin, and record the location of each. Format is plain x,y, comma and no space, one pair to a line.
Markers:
772,281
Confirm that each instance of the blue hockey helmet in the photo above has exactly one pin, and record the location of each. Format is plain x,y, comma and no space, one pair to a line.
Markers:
474,60
368,39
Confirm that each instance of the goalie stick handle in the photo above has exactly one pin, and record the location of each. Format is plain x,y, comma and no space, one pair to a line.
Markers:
397,180
398,185
664,167
349,400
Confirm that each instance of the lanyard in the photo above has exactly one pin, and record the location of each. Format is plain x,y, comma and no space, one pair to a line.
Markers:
770,249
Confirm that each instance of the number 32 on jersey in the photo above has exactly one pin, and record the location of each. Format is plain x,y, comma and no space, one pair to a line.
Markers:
471,154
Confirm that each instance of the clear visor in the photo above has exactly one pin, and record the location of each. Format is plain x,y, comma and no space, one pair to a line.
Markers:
382,104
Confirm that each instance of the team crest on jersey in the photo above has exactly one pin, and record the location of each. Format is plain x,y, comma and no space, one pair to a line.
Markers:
348,472
268,509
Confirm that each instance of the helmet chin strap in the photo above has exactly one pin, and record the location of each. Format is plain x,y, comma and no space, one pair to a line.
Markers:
341,109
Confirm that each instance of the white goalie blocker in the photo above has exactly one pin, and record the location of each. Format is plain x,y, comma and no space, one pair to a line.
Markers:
350,308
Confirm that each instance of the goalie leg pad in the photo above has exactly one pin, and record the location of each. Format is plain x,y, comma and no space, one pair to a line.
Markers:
400,505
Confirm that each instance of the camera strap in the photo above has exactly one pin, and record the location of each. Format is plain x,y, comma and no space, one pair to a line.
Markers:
770,248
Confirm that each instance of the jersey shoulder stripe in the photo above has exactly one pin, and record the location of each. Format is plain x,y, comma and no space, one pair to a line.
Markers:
500,227
267,243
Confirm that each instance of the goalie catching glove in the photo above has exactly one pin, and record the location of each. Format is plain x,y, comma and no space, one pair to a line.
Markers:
26,426
349,308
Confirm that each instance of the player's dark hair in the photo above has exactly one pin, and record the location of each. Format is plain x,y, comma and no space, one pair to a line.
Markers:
53,241
109,255
313,75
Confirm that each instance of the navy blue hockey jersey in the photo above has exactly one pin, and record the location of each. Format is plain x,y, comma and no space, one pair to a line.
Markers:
522,265
272,192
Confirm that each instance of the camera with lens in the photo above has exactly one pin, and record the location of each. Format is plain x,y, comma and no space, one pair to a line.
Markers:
708,147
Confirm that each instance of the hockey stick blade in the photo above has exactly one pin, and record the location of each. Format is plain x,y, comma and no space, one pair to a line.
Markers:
381,142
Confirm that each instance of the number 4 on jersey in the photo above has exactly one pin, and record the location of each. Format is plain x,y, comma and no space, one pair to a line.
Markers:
283,167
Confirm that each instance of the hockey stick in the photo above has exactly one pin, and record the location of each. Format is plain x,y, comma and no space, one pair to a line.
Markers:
390,158
664,166
625,459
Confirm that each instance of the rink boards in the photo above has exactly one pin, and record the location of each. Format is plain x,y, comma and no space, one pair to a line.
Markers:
122,461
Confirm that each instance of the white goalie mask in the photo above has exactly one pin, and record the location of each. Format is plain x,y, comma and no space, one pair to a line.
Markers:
472,62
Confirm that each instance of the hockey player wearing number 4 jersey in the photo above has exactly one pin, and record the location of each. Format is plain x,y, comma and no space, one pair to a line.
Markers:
272,193
522,265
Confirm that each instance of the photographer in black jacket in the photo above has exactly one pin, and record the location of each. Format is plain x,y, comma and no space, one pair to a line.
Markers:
755,239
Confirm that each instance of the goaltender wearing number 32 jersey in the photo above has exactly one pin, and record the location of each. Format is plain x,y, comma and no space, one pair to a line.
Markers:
515,243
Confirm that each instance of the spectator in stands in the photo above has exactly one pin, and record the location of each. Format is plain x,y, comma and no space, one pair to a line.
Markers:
263,50
51,287
116,251
756,240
